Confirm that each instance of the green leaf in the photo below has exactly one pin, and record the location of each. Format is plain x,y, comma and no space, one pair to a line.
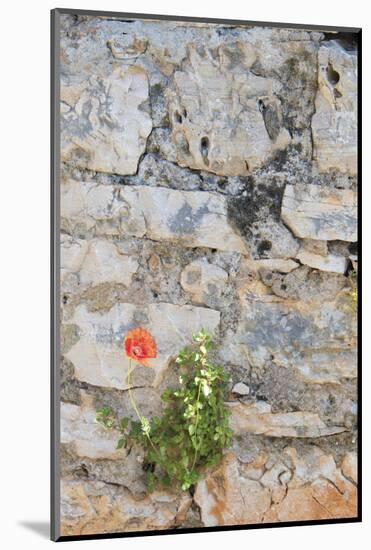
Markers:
124,423
121,442
104,411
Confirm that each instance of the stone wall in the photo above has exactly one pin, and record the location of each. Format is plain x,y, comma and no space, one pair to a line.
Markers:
208,179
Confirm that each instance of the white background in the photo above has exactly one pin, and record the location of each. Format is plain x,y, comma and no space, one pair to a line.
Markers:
24,233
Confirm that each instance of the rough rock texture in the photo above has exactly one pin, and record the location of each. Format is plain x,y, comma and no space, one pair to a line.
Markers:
209,179
204,281
322,214
104,127
98,353
334,123
226,119
272,488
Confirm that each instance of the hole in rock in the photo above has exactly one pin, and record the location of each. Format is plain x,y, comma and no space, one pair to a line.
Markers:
261,105
332,76
264,246
204,148
178,117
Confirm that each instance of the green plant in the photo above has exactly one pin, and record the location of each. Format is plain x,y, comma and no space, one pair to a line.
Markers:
193,429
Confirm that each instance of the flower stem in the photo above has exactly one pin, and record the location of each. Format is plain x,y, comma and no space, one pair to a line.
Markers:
140,417
197,415
130,392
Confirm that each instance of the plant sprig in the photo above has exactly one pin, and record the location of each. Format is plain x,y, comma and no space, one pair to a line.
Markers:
193,429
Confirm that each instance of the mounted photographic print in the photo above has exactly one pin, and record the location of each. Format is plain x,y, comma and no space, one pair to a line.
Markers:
205,274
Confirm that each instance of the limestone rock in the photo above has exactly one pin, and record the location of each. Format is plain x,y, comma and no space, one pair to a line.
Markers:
200,279
228,498
256,215
96,261
281,265
106,127
326,367
104,263
247,419
241,389
126,470
272,489
305,284
121,50
89,209
73,252
315,247
193,218
225,120
98,355
315,212
88,439
332,263
349,466
280,331
94,507
334,123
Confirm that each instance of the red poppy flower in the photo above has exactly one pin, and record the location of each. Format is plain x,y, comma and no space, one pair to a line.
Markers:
140,345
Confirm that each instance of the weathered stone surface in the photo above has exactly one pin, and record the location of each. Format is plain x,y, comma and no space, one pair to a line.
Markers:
126,470
228,498
96,261
332,263
258,419
94,507
88,208
241,389
272,489
270,329
283,266
326,367
305,284
248,125
315,247
105,128
209,165
202,279
349,467
314,212
98,355
256,215
88,439
191,218
334,123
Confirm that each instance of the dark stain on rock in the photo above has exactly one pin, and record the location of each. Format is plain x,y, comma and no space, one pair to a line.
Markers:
263,247
255,204
271,118
185,220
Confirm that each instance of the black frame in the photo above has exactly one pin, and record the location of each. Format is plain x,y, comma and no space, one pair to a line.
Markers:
55,272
